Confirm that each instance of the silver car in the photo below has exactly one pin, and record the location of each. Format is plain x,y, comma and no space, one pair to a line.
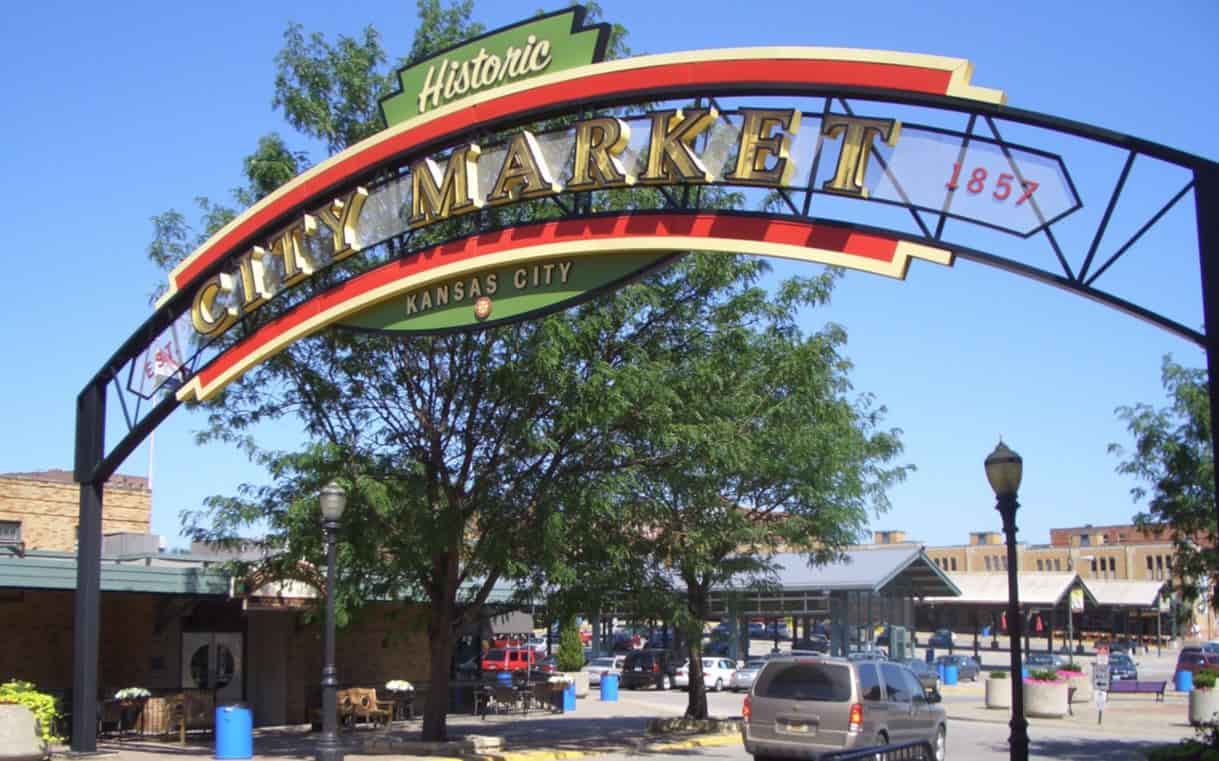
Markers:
742,678
807,707
597,667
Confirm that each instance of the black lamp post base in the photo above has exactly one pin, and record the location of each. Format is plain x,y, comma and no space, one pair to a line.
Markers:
329,749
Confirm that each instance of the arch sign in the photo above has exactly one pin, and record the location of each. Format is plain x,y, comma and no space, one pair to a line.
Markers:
521,173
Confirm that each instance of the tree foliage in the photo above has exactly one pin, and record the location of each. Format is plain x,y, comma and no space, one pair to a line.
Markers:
1174,461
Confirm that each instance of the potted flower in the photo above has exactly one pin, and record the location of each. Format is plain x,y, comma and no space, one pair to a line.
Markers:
1076,680
563,693
399,686
1045,695
132,696
998,690
1204,698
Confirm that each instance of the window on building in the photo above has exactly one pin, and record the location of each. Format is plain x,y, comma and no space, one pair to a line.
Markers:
1039,568
1168,563
1005,562
1094,566
10,532
1085,540
988,562
1159,562
1149,562
954,564
1112,565
1057,564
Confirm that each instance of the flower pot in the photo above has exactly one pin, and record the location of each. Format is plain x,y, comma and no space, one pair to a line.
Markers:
20,739
1045,700
998,693
1203,705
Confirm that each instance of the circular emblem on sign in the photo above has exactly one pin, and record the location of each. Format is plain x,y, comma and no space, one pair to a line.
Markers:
482,307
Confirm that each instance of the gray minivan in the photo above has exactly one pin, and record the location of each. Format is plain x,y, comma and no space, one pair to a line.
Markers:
803,707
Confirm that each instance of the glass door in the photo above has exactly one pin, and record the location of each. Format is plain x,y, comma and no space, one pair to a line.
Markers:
212,661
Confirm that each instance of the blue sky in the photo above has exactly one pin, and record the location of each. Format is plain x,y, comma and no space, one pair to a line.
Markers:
113,113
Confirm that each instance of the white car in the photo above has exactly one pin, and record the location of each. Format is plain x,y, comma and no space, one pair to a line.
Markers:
742,678
717,673
610,664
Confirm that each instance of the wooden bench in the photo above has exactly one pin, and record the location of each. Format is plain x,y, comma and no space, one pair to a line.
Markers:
1137,686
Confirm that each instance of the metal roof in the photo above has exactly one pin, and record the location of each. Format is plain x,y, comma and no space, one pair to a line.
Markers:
1034,589
1126,594
904,571
154,575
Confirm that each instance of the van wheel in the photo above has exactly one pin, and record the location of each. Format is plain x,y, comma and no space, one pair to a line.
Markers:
941,744
719,685
881,740
666,682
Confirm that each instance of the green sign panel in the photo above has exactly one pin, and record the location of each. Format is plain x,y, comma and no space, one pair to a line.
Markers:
505,294
542,45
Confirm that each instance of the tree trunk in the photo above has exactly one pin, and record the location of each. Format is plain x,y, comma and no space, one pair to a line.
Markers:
696,708
440,644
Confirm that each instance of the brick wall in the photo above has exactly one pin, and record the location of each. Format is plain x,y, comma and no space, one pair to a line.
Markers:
47,505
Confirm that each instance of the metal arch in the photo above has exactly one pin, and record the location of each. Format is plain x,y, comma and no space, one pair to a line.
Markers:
94,464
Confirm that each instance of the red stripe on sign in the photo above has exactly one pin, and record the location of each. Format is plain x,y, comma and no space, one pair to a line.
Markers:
688,75
709,225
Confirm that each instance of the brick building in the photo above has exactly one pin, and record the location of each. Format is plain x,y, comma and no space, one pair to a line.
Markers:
40,510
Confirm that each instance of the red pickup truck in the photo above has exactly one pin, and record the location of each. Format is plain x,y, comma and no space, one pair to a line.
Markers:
508,659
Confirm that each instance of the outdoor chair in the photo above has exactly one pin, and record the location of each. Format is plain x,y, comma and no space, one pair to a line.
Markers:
365,707
507,699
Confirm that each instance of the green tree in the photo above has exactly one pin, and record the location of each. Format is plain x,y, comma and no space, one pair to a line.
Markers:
1174,460
571,649
755,446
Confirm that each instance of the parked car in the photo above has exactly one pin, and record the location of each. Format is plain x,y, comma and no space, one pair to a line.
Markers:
757,630
717,646
967,667
508,659
813,643
649,668
548,665
928,675
597,667
1122,666
942,638
1048,661
868,655
717,673
775,630
801,707
743,677
1193,660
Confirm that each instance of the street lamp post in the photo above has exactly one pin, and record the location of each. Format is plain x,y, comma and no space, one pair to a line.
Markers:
333,500
1004,469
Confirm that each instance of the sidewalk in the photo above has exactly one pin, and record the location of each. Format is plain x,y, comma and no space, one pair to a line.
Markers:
1131,716
593,728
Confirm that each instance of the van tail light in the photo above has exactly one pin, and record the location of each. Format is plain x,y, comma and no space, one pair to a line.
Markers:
655,667
855,721
747,710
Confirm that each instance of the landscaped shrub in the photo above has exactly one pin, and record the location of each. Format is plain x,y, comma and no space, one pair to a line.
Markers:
571,649
1044,675
998,675
1074,668
42,704
1205,679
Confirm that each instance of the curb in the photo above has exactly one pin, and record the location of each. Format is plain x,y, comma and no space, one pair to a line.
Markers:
708,741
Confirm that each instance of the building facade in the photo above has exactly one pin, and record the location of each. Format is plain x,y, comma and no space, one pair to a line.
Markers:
39,511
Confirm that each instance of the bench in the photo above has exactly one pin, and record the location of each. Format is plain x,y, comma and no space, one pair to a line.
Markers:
1138,686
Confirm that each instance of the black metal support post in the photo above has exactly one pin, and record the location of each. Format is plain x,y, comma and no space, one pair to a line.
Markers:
1018,742
90,442
1206,203
328,746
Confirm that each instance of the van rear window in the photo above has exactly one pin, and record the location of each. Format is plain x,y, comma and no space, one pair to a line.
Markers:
494,655
829,682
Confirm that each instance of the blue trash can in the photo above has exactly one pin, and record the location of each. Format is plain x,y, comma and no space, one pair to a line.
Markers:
609,688
1024,672
951,673
234,731
569,698
1185,681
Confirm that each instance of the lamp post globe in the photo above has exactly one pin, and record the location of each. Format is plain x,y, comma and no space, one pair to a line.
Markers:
1004,469
333,501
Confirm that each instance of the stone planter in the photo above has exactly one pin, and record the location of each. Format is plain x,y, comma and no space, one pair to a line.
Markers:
999,693
1203,705
581,680
1082,685
1045,700
20,739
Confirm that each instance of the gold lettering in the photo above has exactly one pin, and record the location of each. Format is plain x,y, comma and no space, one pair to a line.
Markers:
250,268
442,295
341,217
524,173
425,301
411,305
599,143
459,290
520,279
203,313
857,136
288,247
434,197
475,288
564,268
671,156
758,144
491,284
